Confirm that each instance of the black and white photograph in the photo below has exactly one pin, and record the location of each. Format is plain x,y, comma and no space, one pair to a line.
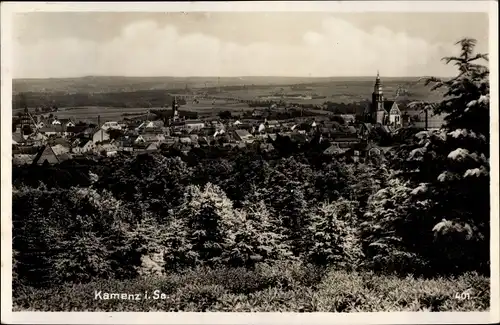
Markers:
219,159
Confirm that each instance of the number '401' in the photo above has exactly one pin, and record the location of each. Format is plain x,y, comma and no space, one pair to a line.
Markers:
462,296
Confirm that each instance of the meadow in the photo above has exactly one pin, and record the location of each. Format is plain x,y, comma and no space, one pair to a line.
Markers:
346,91
90,113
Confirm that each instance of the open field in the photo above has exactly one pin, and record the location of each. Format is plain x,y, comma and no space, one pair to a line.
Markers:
106,113
347,91
90,113
204,109
205,105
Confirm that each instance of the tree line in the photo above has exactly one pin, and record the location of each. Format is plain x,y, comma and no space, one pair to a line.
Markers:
132,99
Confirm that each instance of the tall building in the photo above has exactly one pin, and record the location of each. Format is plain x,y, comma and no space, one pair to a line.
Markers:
26,122
378,111
175,109
383,111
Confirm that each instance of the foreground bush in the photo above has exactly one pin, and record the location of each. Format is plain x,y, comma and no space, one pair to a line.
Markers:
284,287
77,235
208,231
333,238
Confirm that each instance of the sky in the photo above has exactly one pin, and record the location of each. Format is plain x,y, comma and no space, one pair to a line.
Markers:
74,44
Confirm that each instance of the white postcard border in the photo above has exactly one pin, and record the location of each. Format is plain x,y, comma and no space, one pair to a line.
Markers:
242,318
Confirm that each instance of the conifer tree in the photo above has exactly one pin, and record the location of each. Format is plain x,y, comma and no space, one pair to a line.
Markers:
454,163
254,237
442,215
203,222
333,239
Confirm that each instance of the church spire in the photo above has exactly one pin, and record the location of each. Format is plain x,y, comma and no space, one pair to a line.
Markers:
175,108
378,110
377,88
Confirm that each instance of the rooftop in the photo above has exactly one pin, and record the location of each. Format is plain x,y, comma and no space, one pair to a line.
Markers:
243,134
83,142
194,122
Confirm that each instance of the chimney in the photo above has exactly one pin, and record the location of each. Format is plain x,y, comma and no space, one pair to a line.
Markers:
99,125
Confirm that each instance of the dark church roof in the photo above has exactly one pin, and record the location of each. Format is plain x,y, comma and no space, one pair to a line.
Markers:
45,154
388,105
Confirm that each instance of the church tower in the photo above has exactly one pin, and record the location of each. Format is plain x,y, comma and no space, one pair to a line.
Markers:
378,112
175,109
26,123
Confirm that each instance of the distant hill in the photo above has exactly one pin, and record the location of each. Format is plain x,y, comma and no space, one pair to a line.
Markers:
103,84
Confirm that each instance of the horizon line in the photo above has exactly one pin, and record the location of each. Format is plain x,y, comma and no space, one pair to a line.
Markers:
215,77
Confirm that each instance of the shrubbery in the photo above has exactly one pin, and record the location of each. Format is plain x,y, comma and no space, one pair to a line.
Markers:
289,287
334,239
140,223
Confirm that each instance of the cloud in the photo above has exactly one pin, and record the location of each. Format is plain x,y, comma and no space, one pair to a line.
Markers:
145,48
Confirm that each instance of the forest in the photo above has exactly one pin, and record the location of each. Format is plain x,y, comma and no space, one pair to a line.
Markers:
139,98
247,230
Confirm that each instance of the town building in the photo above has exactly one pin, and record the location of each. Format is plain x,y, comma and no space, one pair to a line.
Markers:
83,146
109,148
150,125
26,123
55,129
45,156
111,125
383,111
100,135
60,146
36,139
243,135
75,130
66,122
272,124
362,151
175,109
335,149
60,149
390,113
152,147
192,125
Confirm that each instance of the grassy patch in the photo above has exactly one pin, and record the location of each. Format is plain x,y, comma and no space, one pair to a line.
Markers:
286,288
